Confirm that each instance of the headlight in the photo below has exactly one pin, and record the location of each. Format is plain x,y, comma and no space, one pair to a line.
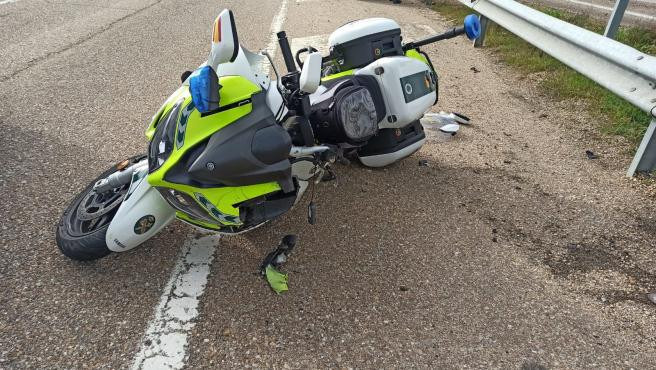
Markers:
161,145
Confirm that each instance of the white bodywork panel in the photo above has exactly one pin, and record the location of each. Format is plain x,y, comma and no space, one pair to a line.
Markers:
311,73
251,66
361,28
247,64
381,160
142,200
389,81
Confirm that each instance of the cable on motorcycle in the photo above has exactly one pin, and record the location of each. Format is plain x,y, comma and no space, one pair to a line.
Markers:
278,116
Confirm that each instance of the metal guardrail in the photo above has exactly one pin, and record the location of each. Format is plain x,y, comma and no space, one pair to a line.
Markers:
615,19
619,68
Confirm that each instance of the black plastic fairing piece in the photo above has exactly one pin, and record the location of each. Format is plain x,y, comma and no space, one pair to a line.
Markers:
266,209
362,51
164,132
235,39
184,76
387,140
240,154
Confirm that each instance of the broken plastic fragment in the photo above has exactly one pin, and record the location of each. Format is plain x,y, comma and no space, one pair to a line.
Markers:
276,279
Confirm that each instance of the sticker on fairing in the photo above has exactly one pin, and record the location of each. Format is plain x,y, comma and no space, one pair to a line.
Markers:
417,85
144,224
182,124
212,210
137,178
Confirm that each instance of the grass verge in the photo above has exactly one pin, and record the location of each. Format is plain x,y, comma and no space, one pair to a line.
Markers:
616,116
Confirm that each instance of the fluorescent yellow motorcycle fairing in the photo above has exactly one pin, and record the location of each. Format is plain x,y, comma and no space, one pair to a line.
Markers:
181,137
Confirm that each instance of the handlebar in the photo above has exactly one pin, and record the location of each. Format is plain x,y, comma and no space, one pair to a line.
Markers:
286,51
431,39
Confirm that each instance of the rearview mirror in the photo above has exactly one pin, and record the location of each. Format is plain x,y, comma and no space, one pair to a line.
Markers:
225,44
311,73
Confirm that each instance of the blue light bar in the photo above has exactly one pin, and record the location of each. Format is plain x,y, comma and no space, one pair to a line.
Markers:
204,88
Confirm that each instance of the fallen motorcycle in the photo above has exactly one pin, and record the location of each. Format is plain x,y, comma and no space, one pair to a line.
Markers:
232,149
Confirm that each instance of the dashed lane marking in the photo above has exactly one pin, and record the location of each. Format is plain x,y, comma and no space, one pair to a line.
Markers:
276,26
165,343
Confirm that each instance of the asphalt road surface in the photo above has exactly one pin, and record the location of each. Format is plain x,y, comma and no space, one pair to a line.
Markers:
509,249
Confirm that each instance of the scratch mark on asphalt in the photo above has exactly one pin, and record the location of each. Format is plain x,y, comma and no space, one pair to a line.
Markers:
100,31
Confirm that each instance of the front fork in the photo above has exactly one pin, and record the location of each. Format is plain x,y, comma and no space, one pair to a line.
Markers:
143,213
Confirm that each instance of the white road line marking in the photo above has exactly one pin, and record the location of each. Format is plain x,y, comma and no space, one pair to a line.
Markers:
165,342
276,26
7,2
319,42
634,14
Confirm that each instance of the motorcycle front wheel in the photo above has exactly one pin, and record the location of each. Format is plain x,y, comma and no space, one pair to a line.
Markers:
82,228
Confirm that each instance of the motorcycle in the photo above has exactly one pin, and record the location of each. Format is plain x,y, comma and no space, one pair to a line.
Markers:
232,149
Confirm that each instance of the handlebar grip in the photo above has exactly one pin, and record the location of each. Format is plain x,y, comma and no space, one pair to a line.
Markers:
286,51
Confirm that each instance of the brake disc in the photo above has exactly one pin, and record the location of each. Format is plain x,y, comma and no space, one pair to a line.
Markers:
95,205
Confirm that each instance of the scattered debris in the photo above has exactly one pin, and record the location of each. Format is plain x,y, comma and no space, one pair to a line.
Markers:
474,69
446,123
507,161
274,260
591,154
423,163
451,128
494,239
543,115
404,288
277,280
652,297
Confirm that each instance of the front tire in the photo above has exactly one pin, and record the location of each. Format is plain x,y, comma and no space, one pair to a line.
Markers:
82,228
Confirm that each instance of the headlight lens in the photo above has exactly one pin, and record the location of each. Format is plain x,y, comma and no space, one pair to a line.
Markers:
161,145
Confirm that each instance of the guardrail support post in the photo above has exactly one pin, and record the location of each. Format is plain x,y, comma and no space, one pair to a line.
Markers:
616,18
480,41
645,157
